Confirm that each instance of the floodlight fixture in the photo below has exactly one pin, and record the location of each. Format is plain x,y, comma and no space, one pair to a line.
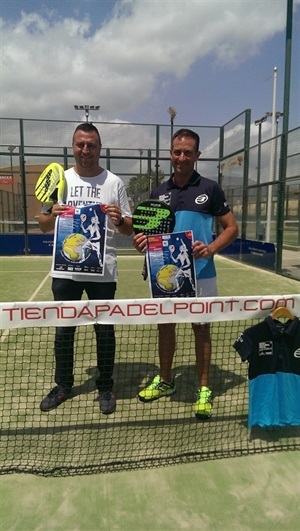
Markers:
261,120
87,109
172,112
278,114
11,148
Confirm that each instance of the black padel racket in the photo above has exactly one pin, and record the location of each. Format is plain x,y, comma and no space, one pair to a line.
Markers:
50,185
152,217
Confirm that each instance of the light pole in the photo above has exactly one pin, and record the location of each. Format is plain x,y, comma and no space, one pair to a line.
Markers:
284,135
172,112
87,109
141,153
273,155
259,122
278,114
11,150
259,228
271,173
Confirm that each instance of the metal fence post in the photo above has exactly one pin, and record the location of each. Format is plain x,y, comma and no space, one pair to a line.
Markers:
23,182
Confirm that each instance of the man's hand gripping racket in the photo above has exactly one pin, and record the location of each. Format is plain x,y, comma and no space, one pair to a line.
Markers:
152,217
50,186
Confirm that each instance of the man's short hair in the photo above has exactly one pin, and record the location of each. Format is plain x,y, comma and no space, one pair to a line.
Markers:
187,132
87,127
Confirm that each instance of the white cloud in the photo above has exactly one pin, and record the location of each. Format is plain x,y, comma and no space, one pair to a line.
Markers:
50,64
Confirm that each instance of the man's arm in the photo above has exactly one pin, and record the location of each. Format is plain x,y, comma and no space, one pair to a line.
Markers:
122,223
228,235
126,227
47,221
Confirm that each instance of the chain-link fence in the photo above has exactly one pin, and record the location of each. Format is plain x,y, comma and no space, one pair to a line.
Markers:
265,202
139,154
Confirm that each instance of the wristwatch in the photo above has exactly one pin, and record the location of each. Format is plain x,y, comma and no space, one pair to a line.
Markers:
120,222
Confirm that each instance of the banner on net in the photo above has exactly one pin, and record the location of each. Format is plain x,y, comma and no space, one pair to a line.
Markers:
143,311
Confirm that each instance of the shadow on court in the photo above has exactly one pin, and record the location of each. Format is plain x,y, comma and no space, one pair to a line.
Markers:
130,378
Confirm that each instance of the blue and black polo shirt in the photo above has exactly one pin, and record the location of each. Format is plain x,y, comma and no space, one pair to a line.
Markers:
195,205
272,350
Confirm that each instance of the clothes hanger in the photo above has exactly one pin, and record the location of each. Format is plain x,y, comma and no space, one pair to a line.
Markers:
282,311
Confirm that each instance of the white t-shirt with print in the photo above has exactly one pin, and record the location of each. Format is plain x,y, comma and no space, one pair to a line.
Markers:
106,188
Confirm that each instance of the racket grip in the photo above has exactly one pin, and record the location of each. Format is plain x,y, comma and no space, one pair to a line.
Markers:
144,270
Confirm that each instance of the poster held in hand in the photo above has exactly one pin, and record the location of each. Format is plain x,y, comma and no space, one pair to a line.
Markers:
170,264
80,241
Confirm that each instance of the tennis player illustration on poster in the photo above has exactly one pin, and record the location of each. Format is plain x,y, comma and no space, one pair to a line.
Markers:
93,229
79,240
183,261
171,265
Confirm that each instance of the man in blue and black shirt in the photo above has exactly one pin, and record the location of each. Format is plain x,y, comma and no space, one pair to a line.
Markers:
195,200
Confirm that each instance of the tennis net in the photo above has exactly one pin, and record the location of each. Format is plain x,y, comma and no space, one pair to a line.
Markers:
77,439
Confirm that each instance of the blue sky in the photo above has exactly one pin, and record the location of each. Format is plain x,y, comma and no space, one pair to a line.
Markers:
210,59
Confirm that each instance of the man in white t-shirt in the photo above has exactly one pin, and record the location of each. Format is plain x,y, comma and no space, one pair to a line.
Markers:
88,183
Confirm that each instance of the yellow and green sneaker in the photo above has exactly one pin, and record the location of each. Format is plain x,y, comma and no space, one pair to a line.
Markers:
203,404
156,389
